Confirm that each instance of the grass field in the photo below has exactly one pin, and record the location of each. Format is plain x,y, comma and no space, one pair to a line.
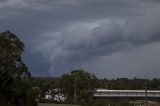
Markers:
41,104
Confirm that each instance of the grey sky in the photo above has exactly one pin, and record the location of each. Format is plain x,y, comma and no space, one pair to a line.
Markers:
111,38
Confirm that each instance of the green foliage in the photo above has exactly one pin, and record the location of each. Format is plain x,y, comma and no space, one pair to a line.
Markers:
129,84
82,84
77,84
13,91
20,93
11,65
86,96
45,84
85,85
32,96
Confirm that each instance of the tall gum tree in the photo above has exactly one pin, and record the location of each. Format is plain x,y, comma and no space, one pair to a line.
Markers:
12,68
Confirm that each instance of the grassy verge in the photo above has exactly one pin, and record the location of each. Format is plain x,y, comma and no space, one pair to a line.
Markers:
43,104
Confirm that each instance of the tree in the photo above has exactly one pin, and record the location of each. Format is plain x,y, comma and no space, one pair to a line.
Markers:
12,68
33,96
65,82
78,80
11,65
86,96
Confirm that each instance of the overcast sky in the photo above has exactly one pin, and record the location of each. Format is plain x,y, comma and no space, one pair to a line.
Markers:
111,38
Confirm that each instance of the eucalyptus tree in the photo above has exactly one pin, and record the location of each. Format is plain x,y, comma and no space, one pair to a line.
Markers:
11,65
13,70
77,83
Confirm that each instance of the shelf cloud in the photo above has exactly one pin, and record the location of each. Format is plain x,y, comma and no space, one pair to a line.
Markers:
111,38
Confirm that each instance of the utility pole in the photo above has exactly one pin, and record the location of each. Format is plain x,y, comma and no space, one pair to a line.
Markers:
146,101
75,90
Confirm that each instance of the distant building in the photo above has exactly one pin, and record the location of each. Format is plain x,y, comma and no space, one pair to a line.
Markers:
128,94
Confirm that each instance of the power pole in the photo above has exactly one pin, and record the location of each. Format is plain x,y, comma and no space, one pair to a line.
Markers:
146,101
75,90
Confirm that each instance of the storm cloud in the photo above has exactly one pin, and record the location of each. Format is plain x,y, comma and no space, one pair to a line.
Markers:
111,38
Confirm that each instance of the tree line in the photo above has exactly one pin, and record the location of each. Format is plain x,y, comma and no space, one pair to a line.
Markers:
79,85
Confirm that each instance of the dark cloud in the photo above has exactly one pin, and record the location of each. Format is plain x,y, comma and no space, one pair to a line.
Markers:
64,35
105,39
